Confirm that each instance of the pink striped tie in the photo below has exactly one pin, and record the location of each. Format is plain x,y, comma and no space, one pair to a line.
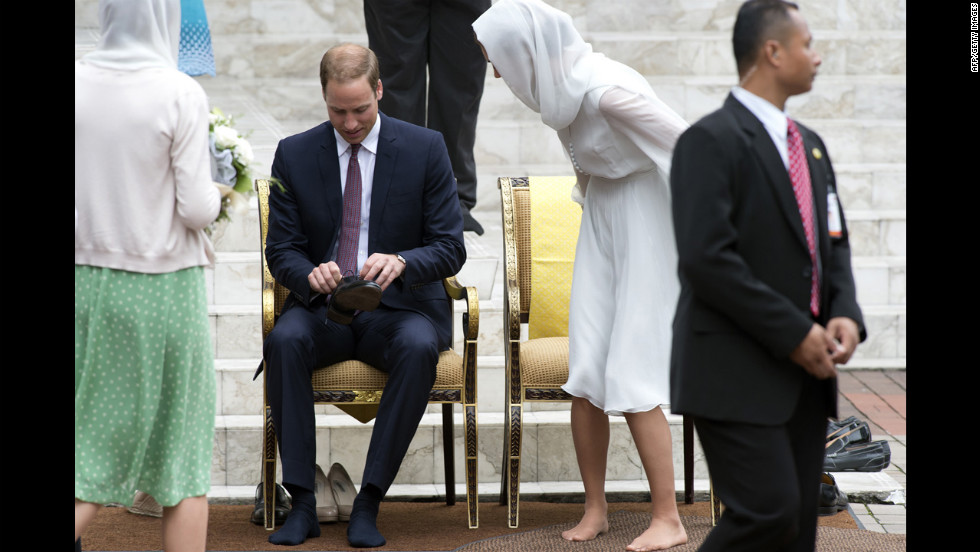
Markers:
350,230
799,174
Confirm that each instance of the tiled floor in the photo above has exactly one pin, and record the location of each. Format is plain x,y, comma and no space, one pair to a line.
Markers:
878,397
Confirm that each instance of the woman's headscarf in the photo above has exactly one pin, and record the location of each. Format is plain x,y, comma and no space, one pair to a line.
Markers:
544,60
137,34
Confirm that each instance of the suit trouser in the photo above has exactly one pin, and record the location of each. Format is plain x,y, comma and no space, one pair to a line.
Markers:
411,36
767,477
402,343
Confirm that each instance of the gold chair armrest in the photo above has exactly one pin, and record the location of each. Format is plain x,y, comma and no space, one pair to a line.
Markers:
454,289
471,318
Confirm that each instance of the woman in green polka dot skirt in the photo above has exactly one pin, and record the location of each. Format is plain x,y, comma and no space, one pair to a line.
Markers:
144,367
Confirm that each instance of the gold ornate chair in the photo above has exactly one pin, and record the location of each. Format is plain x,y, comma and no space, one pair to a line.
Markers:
356,387
535,369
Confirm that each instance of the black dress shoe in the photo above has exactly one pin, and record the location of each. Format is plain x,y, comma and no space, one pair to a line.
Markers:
833,425
283,505
832,500
852,433
470,224
862,457
352,295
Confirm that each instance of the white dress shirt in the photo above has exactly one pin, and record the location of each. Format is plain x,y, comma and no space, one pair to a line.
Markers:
771,117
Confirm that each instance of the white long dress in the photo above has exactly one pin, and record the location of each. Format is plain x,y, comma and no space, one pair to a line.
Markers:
624,285
620,138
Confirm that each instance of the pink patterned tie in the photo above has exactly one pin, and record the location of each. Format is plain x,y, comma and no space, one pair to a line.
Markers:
350,230
799,174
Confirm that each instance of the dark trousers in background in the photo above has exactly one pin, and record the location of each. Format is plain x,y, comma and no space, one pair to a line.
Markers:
402,343
767,477
415,38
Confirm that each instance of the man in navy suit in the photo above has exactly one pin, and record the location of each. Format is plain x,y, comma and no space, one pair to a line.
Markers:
768,305
408,237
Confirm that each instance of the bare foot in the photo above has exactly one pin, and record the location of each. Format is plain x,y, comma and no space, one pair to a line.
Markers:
661,535
593,524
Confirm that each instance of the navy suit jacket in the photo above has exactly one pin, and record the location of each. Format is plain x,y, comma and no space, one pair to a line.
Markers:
744,268
414,212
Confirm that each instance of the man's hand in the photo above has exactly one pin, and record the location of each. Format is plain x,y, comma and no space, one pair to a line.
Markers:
845,331
324,278
383,268
814,353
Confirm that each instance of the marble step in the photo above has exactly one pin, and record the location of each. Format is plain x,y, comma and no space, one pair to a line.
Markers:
872,488
288,50
854,99
548,453
236,329
641,17
548,465
239,395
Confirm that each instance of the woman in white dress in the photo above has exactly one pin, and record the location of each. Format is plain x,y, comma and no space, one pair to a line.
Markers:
619,137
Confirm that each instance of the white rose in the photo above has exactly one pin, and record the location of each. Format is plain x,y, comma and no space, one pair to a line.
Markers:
243,151
225,137
212,119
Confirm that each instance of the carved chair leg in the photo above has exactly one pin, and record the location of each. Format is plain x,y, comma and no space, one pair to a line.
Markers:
449,453
514,464
470,432
269,472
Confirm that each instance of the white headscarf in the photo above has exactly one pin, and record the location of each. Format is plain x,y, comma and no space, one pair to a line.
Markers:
544,60
137,34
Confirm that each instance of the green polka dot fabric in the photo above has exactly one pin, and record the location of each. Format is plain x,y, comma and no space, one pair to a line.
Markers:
144,385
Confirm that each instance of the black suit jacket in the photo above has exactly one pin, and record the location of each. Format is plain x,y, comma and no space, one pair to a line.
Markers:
745,268
414,212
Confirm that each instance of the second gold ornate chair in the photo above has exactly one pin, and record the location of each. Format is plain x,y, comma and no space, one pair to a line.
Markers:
356,387
535,369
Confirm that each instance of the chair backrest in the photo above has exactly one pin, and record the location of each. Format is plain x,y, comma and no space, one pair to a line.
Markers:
273,294
516,208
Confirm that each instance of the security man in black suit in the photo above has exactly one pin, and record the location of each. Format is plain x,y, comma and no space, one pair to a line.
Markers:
768,306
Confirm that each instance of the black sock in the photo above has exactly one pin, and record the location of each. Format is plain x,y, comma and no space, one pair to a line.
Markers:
363,529
302,522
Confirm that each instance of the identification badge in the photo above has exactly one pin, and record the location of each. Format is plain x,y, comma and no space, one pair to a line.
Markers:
833,216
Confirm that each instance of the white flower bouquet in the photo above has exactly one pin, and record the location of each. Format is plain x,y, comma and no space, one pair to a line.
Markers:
231,160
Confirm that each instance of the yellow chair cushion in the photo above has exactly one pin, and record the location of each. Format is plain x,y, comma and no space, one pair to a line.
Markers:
354,375
544,362
554,233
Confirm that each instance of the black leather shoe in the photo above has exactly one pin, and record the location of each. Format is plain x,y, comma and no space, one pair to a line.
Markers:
470,224
833,425
832,500
352,295
283,505
862,457
852,433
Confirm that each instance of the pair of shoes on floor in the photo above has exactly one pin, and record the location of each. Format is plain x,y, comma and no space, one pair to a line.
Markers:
335,493
145,505
832,499
846,432
353,294
282,504
863,457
